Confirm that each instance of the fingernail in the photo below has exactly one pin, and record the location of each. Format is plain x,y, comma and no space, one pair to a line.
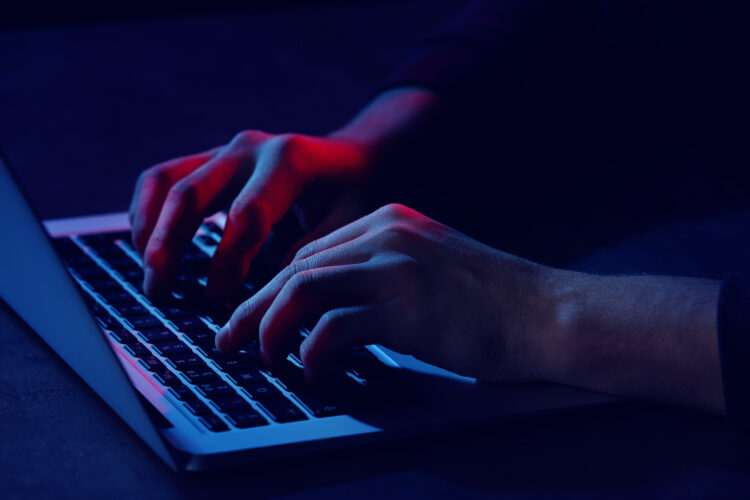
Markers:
223,339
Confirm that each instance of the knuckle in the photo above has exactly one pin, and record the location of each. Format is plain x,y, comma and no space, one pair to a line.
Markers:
153,176
301,282
185,194
297,267
332,322
290,149
394,210
395,234
249,213
287,143
155,255
249,137
306,251
400,231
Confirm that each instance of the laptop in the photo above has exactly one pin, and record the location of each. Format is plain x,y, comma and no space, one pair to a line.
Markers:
77,282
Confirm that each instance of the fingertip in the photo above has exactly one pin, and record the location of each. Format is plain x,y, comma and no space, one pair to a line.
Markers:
223,340
310,371
151,283
264,358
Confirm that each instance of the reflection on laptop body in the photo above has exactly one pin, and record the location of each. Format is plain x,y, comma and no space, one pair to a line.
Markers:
79,287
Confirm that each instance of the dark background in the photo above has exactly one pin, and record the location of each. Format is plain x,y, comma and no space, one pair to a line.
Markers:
90,95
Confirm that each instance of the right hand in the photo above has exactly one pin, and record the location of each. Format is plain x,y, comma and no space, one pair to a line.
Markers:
262,173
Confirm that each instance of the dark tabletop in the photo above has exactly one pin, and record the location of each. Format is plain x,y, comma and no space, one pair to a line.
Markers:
89,106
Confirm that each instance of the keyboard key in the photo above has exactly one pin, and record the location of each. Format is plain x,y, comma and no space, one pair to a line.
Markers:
282,410
228,363
154,335
134,276
122,336
171,347
212,352
263,390
87,273
138,350
316,406
99,240
166,378
211,389
108,322
104,285
182,392
114,297
230,402
189,324
213,423
201,375
244,419
197,407
110,252
175,312
213,227
78,260
97,309
193,252
247,376
185,360
131,309
150,363
208,240
65,246
144,322
204,338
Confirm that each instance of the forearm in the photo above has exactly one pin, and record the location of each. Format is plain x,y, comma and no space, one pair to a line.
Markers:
392,117
650,337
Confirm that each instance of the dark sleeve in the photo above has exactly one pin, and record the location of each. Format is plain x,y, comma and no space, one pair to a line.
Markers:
733,325
480,47
614,65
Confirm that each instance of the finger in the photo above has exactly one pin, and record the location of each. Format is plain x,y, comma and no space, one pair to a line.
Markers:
307,296
151,189
346,210
346,233
262,202
337,331
189,200
245,322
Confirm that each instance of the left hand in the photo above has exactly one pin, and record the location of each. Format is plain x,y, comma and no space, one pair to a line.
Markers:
398,278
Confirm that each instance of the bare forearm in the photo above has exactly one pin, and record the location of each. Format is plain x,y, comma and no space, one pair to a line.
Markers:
389,119
650,337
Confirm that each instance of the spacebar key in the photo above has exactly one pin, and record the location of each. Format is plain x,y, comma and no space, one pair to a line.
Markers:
282,410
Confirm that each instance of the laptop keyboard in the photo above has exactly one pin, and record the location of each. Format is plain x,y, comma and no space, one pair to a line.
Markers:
172,341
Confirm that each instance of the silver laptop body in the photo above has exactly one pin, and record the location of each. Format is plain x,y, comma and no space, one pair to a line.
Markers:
35,282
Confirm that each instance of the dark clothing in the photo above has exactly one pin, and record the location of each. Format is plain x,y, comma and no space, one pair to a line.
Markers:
614,115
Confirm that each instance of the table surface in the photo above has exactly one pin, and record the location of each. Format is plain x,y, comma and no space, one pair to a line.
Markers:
92,105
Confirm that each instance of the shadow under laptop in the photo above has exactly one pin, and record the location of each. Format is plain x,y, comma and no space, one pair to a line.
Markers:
605,450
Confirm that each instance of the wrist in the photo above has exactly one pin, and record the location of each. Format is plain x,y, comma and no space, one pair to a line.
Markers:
391,116
554,349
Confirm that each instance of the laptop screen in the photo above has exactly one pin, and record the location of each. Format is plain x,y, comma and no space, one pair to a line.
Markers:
34,283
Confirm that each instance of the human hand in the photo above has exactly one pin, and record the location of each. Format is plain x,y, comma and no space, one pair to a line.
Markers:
398,278
262,173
